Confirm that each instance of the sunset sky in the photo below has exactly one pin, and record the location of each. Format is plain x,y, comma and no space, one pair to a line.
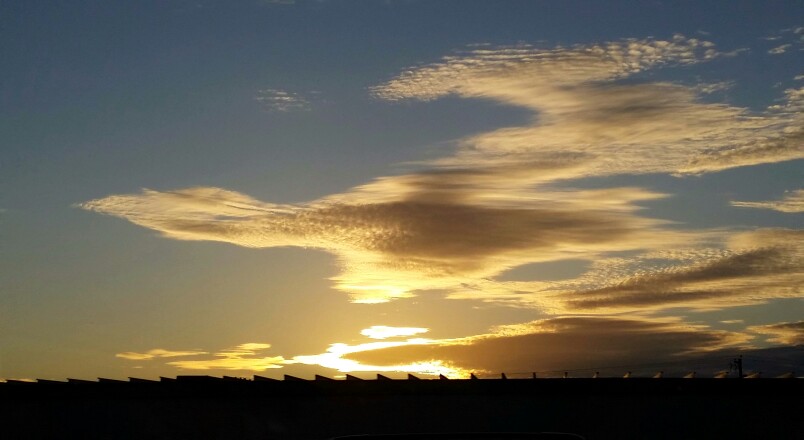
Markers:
432,187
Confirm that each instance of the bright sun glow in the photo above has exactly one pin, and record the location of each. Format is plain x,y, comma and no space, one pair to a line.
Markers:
385,332
333,359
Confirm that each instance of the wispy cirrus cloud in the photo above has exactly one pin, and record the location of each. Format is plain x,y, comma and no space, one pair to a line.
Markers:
724,269
787,333
742,279
282,100
791,39
778,50
158,353
243,357
792,202
750,268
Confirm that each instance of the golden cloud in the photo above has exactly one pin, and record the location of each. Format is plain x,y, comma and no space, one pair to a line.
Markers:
481,72
493,205
158,353
389,249
232,363
793,202
786,333
240,357
592,125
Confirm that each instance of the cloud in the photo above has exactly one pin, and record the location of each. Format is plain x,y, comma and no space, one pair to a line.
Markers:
240,357
251,347
232,363
158,353
793,202
786,333
495,203
281,100
595,124
558,344
791,39
793,102
385,332
336,358
713,87
723,269
497,72
778,50
548,346
412,241
760,266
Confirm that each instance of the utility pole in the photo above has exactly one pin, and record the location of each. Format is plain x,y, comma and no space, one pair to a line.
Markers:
737,364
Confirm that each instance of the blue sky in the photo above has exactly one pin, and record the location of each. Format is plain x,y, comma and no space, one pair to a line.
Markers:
484,173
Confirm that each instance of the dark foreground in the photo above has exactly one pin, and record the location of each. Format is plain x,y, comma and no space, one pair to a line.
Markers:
204,407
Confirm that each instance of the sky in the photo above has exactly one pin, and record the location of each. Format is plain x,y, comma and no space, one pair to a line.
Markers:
343,187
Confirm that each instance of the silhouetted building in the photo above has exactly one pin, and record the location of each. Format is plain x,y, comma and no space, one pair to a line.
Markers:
294,408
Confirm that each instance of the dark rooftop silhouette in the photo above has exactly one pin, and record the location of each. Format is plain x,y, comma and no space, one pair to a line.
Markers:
318,408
